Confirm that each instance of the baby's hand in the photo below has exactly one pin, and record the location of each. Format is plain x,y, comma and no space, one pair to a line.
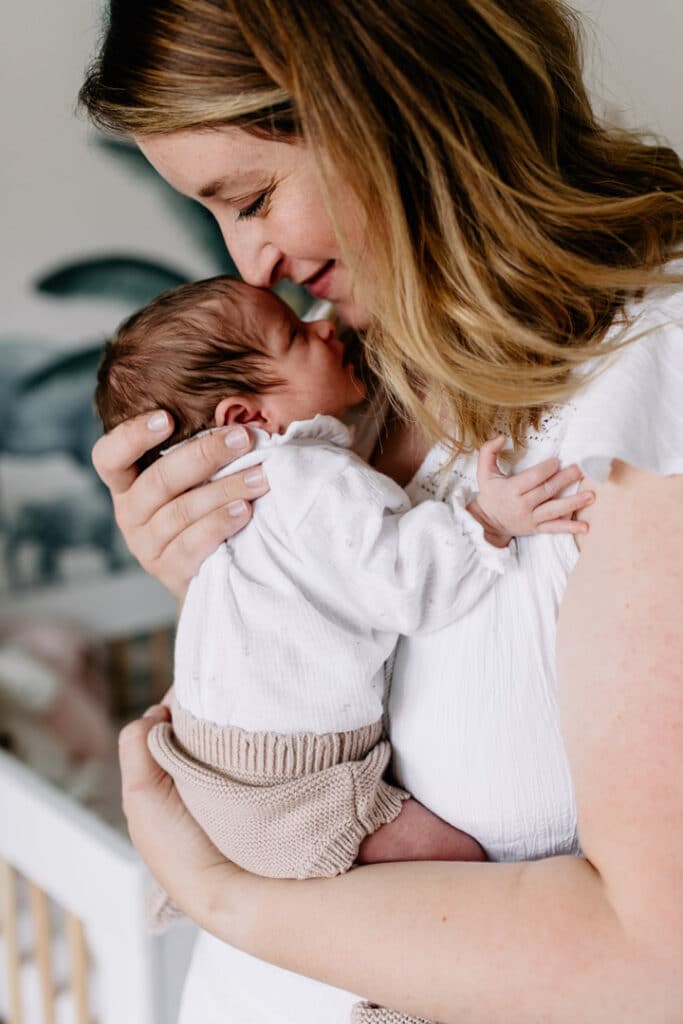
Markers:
525,503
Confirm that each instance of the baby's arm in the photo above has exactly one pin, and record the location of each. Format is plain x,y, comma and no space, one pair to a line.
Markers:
527,502
365,558
417,834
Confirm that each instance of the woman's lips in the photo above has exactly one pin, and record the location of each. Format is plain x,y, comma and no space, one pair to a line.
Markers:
320,284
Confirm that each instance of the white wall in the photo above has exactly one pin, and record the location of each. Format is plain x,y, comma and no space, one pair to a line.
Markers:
635,60
60,197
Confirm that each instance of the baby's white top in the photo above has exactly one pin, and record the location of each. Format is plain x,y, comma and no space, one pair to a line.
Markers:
287,626
474,718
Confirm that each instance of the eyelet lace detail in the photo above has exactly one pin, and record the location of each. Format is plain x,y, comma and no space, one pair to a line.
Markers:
433,482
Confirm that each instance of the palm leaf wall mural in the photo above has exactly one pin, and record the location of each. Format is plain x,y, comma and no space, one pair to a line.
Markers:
46,391
125,278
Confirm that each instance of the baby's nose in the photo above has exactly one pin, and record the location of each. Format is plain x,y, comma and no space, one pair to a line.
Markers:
325,329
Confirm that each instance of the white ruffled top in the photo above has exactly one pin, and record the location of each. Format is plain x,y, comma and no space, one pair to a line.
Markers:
478,741
473,710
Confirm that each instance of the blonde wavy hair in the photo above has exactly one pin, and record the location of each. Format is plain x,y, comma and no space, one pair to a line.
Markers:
507,227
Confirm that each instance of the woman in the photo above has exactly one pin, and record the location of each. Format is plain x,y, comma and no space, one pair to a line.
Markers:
437,172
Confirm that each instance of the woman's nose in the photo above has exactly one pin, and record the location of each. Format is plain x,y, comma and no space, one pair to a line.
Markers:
257,261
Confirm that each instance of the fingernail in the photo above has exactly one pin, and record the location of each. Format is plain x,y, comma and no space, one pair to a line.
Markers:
254,477
237,508
589,499
159,421
237,438
156,711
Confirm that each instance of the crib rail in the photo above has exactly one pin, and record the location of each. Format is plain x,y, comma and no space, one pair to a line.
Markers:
38,955
72,916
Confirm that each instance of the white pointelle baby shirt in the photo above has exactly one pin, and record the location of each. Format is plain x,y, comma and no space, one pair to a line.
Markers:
287,626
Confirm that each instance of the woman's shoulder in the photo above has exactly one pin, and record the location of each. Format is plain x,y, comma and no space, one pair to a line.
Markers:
630,407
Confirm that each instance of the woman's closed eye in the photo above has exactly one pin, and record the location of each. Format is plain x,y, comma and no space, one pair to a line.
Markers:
256,206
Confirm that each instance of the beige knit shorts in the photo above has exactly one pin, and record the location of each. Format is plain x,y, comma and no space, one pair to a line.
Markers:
295,806
283,806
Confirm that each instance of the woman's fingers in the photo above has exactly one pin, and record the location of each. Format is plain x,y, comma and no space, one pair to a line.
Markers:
179,560
186,530
179,471
222,495
115,454
169,522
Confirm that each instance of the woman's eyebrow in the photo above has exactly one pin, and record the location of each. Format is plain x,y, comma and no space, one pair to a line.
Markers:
239,181
207,191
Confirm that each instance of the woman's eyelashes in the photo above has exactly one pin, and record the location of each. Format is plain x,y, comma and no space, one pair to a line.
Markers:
256,206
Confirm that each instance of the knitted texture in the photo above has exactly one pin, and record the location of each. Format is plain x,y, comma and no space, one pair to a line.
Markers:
301,825
264,758
368,1013
160,910
292,806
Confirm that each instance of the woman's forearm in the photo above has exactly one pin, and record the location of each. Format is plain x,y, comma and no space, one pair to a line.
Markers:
454,942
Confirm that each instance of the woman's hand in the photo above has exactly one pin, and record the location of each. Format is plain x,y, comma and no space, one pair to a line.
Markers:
175,849
169,523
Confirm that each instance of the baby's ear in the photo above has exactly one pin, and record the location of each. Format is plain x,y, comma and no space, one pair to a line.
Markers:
239,409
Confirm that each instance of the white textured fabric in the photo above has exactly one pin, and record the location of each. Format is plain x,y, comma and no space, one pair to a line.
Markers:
474,720
287,626
482,747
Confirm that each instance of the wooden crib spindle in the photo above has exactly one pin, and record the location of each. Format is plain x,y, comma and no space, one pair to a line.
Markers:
8,897
78,959
40,913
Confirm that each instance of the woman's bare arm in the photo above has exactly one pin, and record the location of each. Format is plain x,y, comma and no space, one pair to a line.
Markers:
169,522
560,940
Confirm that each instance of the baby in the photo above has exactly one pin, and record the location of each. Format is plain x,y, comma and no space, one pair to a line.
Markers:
277,745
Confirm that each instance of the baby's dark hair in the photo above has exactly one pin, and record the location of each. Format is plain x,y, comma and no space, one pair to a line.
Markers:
184,352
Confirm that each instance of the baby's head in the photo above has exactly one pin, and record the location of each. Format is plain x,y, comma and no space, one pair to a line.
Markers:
219,352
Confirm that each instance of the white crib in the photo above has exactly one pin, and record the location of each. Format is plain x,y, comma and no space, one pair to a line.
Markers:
74,947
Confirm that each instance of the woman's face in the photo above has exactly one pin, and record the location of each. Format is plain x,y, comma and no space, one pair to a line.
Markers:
267,200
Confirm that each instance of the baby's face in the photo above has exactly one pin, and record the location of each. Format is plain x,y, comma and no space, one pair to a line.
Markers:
307,358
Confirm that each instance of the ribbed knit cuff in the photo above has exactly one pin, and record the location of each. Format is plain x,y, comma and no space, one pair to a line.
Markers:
269,757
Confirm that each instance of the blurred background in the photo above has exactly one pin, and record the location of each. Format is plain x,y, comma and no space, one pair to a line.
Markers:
88,234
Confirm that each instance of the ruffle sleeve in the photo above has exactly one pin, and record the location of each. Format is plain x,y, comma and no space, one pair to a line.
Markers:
493,558
632,410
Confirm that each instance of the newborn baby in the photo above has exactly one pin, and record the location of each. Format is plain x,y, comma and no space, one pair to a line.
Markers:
277,745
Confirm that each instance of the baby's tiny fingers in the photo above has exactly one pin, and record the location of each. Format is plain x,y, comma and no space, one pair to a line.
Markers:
487,462
531,478
553,484
561,507
575,526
